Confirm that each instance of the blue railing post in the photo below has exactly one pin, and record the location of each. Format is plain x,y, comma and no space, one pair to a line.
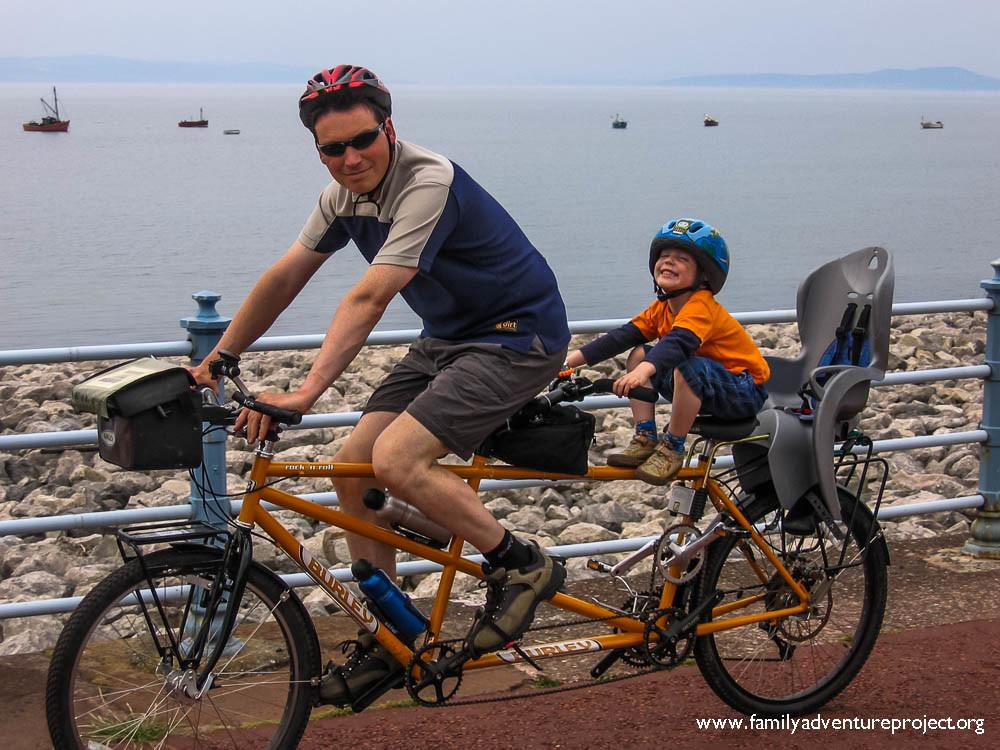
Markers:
985,539
204,331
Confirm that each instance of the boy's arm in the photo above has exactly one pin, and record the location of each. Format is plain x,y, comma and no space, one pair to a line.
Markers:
612,343
676,347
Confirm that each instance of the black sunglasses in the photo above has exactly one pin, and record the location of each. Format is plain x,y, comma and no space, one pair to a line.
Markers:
358,142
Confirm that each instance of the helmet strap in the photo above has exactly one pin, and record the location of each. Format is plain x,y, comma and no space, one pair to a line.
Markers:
664,296
700,283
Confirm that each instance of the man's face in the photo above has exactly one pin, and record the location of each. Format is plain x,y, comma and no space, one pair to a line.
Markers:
358,170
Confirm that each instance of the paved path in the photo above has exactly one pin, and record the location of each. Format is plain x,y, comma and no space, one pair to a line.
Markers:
938,657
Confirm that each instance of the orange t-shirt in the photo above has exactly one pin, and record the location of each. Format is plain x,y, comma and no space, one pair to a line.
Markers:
722,337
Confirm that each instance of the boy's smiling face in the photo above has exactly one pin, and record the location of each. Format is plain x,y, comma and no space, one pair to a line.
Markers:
675,269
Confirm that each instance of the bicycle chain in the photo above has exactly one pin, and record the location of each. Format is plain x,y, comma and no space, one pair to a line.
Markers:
648,616
538,693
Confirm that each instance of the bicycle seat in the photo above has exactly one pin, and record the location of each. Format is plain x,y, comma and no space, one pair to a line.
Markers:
800,453
716,428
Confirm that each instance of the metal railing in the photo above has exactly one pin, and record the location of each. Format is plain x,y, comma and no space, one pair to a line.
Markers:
205,329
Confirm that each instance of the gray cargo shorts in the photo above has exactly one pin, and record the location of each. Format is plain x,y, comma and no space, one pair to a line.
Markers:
462,392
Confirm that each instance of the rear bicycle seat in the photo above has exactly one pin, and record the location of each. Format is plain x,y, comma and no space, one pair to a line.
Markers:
799,454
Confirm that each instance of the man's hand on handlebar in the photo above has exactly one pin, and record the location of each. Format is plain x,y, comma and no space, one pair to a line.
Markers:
256,424
203,377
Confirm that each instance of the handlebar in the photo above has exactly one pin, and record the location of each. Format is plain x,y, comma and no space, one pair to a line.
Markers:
228,366
575,388
285,416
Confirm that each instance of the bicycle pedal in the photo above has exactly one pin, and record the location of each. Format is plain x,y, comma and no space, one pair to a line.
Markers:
598,566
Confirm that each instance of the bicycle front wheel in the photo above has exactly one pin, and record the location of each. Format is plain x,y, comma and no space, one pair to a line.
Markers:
796,664
110,686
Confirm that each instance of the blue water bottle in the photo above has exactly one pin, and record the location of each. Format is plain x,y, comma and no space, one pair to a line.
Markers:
406,620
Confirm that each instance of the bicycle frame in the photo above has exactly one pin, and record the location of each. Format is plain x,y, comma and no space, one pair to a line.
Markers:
631,629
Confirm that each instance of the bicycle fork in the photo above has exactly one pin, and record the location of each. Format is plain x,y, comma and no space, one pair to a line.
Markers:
211,615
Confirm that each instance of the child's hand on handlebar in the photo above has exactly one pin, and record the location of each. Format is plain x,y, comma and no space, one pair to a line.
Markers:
638,377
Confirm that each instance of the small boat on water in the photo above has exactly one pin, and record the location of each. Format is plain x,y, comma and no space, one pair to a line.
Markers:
51,122
201,122
931,124
618,123
710,122
231,131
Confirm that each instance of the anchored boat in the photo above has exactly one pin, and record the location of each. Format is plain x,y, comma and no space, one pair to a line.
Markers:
201,122
51,122
931,124
710,122
618,123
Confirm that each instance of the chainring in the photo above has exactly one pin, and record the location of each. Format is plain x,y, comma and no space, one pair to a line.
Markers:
663,651
666,551
425,681
638,604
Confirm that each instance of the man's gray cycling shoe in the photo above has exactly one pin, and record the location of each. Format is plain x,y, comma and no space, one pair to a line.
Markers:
511,599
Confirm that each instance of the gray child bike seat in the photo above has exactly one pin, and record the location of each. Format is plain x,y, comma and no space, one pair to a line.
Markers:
800,453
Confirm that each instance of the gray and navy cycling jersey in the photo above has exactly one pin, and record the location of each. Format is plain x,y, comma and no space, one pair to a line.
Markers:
479,278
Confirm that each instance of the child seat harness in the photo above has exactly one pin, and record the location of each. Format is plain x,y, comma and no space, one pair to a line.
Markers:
850,347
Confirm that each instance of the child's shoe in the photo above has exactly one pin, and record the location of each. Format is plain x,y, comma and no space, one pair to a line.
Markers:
661,466
637,451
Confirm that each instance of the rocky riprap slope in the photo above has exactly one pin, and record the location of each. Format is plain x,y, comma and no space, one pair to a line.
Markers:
35,398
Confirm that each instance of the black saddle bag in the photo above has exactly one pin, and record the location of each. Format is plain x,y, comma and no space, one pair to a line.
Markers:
555,440
148,415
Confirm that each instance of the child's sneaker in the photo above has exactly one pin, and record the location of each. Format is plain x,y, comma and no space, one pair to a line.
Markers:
661,466
637,451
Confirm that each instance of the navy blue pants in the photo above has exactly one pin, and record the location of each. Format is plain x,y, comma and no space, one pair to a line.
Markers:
723,394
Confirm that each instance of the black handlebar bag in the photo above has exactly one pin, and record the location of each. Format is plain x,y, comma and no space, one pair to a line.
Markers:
148,415
555,440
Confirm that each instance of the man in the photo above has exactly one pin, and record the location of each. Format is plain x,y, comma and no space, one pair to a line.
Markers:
494,335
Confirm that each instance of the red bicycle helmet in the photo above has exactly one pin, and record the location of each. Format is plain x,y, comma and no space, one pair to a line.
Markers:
339,81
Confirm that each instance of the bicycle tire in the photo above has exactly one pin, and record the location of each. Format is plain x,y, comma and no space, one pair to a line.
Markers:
751,667
107,687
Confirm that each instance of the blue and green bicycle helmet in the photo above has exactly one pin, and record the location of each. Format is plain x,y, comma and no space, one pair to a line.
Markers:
703,241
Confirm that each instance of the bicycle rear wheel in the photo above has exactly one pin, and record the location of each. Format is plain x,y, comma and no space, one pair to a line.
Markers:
109,687
798,663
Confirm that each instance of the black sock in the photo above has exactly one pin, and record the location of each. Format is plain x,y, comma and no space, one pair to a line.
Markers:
510,553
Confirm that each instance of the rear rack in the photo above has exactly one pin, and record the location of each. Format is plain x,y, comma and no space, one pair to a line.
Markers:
852,462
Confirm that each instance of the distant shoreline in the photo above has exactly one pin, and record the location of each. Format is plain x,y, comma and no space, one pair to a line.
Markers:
99,69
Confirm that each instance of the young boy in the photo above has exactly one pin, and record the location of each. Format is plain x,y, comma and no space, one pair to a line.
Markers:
704,361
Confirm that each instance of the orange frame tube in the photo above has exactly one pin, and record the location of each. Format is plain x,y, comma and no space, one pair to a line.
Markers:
630,630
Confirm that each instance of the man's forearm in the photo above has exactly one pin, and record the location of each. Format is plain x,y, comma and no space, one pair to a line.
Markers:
352,323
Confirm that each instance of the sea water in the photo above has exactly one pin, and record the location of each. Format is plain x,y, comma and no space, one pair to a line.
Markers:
107,230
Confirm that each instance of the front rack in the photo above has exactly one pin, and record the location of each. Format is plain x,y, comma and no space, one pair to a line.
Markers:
132,539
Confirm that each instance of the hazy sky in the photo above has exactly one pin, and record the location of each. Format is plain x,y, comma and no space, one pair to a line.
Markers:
517,41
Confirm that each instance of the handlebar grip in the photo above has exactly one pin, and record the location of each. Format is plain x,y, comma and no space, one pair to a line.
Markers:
548,399
640,393
285,416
